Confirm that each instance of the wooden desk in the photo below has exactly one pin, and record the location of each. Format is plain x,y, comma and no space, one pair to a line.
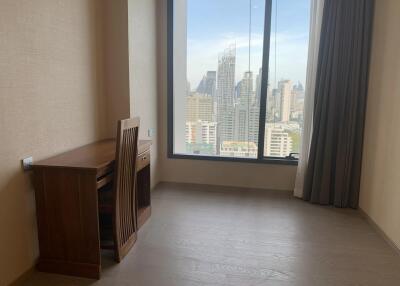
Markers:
66,190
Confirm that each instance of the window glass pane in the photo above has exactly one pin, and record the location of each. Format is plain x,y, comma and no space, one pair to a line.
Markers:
218,51
287,77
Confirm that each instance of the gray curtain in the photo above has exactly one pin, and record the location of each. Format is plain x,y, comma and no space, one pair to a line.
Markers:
334,168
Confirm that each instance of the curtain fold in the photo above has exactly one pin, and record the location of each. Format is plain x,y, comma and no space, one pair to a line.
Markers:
317,8
334,165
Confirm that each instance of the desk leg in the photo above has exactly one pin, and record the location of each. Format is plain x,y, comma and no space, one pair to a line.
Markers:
67,215
143,195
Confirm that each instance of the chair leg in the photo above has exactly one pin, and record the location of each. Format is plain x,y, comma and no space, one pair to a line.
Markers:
117,257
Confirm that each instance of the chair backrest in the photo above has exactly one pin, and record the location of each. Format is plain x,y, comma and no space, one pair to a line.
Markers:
125,218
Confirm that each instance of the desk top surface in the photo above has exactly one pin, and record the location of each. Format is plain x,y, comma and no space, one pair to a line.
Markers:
92,156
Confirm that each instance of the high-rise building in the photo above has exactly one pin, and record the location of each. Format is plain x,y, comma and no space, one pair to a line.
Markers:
285,88
238,149
254,123
246,92
225,95
273,104
278,143
208,84
298,89
199,107
202,135
297,105
246,112
258,87
238,89
241,132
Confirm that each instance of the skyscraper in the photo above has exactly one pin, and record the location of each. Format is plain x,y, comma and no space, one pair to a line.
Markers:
299,90
201,132
285,87
246,112
208,84
297,105
225,95
241,132
273,104
277,142
239,149
199,107
258,87
246,94
238,89
254,123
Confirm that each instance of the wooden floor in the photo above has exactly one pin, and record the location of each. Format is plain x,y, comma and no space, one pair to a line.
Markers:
219,236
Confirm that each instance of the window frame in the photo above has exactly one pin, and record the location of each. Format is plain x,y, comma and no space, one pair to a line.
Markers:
261,159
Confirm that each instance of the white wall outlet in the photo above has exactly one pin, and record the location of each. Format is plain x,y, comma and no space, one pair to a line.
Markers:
27,163
150,132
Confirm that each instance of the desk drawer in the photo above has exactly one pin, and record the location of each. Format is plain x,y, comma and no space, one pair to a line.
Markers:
143,160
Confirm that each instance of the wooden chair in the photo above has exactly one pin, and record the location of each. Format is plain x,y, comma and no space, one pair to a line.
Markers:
119,201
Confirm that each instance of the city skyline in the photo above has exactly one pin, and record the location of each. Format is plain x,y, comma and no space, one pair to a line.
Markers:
222,117
221,108
194,88
207,39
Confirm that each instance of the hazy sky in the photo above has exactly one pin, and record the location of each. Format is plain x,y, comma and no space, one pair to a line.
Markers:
213,25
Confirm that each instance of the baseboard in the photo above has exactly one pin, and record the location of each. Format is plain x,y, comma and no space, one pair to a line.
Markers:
23,277
379,230
224,187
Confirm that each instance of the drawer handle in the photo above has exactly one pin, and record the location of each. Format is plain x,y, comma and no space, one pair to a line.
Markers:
144,158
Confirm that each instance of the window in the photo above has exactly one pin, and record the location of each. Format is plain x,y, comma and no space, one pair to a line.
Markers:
287,76
236,78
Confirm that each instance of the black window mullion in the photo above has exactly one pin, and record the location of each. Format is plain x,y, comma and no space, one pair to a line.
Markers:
264,78
170,77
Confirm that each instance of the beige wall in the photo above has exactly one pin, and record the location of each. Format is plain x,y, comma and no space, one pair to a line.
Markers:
380,189
143,72
116,62
206,172
68,71
51,100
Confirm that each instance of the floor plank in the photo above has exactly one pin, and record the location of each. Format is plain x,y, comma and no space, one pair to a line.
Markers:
204,235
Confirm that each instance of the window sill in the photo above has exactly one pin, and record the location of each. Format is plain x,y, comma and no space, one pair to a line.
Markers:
266,160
